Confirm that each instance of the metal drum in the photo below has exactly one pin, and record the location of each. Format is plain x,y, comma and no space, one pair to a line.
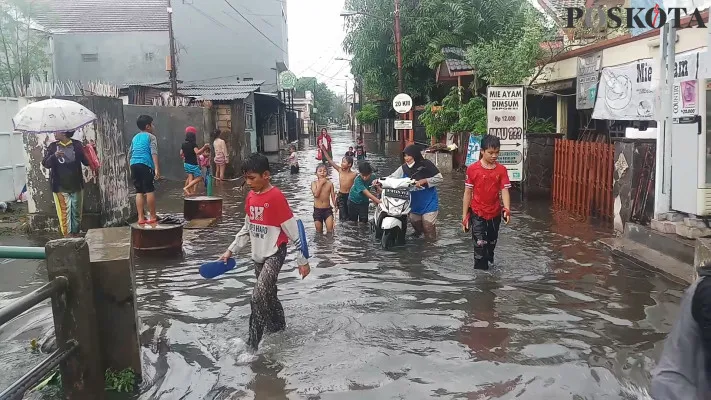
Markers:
157,238
202,207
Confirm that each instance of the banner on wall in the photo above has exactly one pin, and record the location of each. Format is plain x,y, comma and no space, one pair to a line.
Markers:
626,92
587,77
686,89
473,149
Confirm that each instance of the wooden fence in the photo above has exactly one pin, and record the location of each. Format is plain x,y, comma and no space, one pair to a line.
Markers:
582,178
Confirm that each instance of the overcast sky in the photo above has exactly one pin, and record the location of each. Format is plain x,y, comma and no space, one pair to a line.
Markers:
315,35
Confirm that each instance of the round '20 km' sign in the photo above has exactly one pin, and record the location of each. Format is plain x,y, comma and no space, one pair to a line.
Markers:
402,103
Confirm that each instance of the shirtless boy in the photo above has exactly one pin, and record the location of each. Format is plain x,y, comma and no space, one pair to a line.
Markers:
324,193
346,177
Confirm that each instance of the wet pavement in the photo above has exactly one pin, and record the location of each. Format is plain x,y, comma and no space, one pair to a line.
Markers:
557,318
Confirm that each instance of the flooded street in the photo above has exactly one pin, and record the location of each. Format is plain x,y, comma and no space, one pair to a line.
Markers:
557,318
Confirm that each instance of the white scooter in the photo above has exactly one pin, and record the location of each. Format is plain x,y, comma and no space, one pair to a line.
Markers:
390,217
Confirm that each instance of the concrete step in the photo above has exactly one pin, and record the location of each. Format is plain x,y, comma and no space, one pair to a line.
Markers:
668,244
650,259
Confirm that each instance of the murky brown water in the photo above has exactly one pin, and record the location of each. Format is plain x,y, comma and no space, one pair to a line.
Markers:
557,318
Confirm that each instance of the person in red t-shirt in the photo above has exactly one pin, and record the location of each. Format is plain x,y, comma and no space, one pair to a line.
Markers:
268,224
481,206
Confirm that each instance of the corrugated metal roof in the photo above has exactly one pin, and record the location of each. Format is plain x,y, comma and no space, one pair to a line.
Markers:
102,15
224,97
455,59
225,92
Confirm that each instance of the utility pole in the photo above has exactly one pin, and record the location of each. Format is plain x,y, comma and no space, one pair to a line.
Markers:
398,52
314,107
662,180
173,67
349,109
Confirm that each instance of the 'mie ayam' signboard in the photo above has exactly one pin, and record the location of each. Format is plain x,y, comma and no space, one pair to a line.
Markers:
505,119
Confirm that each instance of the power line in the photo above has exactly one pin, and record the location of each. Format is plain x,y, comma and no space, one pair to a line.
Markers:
252,25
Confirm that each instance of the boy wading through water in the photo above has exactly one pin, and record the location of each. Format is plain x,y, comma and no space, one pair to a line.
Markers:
268,225
346,177
323,192
481,207
360,196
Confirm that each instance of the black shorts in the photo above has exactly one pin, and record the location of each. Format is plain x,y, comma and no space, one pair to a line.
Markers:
357,212
143,177
342,203
294,169
322,214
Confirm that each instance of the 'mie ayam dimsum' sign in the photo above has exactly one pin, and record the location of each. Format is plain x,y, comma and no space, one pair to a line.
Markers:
505,120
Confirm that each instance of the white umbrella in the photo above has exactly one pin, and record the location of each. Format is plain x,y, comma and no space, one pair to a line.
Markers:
52,115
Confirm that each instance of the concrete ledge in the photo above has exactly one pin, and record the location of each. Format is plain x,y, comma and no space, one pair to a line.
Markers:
651,259
668,244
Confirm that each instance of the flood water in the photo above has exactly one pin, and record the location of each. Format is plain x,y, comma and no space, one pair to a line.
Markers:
557,318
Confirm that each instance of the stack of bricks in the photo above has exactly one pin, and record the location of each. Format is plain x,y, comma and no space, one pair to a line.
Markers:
224,117
689,227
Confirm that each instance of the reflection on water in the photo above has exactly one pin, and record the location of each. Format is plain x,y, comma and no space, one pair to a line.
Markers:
557,318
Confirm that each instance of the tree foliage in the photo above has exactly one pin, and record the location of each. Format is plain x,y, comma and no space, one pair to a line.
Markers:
472,117
515,54
427,27
23,47
368,114
439,119
326,100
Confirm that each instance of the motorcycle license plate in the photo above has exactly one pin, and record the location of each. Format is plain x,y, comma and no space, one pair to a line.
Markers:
401,194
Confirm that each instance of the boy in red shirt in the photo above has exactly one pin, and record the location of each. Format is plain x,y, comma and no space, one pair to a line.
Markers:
268,226
481,207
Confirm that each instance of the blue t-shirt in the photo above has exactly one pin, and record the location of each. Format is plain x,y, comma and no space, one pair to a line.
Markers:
143,146
356,194
423,201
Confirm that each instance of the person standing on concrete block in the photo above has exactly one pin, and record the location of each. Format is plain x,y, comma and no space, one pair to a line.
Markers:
64,158
684,369
144,168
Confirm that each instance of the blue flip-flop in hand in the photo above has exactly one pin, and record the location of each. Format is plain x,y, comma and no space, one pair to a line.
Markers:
214,269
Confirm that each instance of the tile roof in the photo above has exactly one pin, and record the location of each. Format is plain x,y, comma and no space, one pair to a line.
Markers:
223,92
455,59
557,8
102,15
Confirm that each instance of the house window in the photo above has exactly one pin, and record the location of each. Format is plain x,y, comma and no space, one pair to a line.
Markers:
90,57
249,115
149,56
248,79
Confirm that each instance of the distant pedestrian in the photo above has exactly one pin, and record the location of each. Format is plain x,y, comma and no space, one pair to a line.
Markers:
189,151
144,168
360,150
324,141
269,223
350,153
204,163
221,159
64,159
481,208
293,160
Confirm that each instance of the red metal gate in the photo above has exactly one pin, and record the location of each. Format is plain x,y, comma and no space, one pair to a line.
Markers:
582,178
